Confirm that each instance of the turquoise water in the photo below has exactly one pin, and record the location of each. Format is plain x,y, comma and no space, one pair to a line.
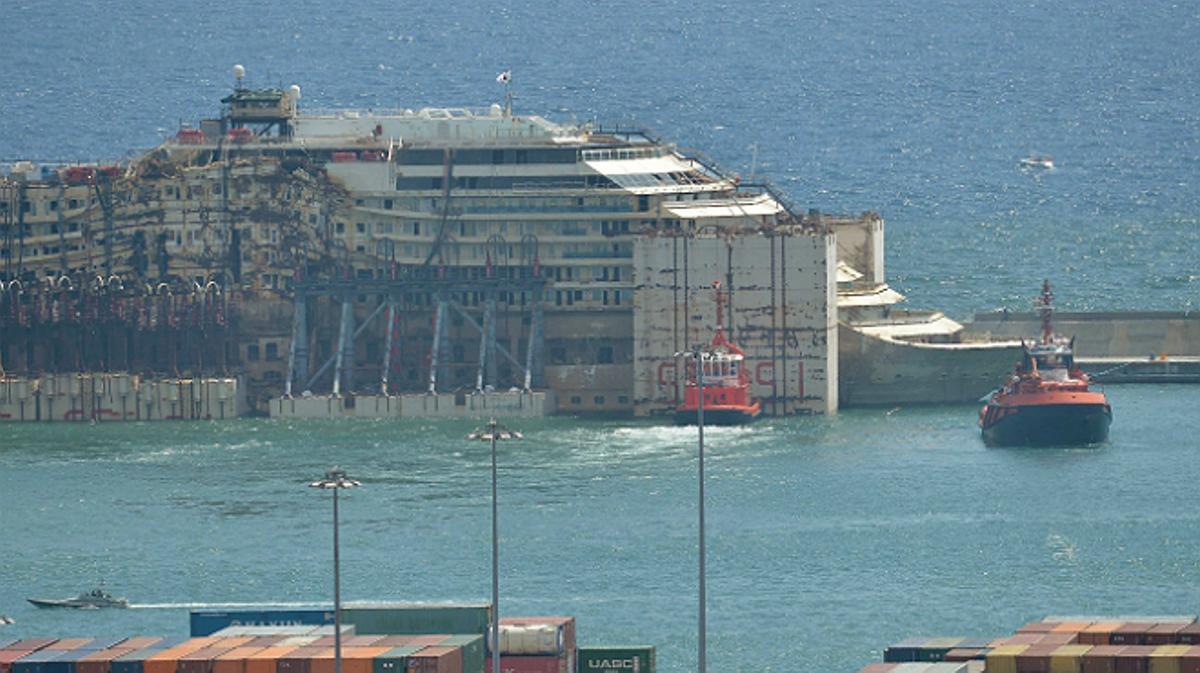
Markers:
828,537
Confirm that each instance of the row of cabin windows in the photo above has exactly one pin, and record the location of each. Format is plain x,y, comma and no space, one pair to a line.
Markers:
504,182
469,229
468,157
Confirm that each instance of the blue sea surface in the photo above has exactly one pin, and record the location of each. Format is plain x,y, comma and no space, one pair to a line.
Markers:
829,537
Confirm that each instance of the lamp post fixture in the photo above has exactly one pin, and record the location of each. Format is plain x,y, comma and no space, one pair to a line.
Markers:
699,356
335,480
493,432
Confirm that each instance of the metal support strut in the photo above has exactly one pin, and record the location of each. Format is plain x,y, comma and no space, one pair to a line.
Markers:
345,352
439,329
387,349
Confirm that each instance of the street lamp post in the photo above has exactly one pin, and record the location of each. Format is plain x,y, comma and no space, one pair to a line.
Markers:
702,626
493,432
335,480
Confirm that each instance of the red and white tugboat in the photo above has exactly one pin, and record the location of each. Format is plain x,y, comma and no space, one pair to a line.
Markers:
1047,400
726,383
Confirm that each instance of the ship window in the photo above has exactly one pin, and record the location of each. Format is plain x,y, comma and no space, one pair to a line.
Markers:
622,399
605,355
272,350
360,227
599,400
340,227
252,352
387,204
576,400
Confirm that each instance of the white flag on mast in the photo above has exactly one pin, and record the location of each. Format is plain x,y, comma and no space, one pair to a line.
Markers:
504,77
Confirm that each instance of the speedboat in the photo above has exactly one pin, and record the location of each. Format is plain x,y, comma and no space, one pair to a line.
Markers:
1038,161
92,600
5,620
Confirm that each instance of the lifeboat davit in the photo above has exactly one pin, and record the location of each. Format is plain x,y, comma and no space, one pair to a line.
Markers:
1048,400
726,384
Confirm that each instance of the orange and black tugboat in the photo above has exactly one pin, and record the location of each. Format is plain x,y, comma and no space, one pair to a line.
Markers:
1047,401
725,382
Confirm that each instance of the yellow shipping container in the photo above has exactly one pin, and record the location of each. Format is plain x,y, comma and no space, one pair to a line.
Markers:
1165,659
1003,659
1068,658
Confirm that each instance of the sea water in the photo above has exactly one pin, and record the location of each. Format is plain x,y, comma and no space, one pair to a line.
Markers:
828,537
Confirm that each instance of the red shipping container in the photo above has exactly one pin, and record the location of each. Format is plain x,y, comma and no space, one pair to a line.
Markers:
424,641
361,641
1059,638
869,668
1100,659
69,644
528,665
436,660
1099,634
341,157
960,655
1190,635
1036,659
141,642
1037,627
1132,633
1134,659
395,641
7,657
100,661
30,644
1026,639
1165,633
1190,661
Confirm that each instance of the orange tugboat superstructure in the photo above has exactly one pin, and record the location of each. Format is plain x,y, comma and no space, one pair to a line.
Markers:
726,384
1047,401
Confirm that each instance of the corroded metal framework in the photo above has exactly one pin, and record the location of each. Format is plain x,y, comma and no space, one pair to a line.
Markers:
390,293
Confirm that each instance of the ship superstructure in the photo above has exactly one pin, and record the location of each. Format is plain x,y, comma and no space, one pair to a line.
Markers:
433,250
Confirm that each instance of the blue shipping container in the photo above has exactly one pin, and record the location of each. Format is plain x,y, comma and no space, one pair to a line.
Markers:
38,662
208,622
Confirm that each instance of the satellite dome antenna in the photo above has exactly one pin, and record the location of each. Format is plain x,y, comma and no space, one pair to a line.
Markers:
294,90
239,73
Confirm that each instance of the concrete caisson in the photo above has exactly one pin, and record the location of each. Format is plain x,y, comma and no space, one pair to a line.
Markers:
782,311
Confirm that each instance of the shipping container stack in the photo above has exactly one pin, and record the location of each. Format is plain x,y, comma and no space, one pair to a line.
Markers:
1062,645
536,645
630,659
375,639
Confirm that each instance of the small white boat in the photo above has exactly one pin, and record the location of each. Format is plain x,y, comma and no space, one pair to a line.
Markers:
1038,161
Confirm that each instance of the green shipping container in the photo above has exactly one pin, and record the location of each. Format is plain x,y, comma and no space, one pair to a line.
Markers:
472,649
615,660
415,620
394,661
